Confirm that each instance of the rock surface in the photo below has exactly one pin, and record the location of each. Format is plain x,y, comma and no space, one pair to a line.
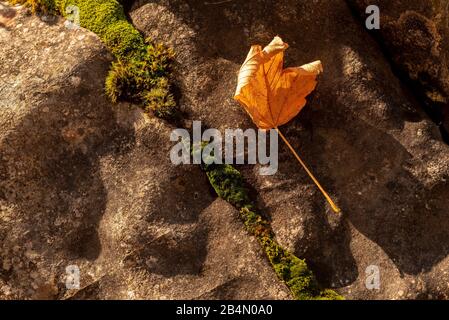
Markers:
362,132
87,183
414,35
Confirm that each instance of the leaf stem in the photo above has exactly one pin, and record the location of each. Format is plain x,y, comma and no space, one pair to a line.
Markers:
328,198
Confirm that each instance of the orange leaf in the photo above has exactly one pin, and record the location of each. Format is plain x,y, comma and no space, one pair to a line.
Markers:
271,95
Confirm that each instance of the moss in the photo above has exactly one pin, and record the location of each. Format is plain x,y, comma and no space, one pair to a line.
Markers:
229,185
141,71
159,100
144,78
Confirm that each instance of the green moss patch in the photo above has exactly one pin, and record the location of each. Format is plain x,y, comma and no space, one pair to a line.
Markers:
141,71
229,185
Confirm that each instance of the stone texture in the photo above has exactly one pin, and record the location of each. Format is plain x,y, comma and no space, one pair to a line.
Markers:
414,36
363,133
89,183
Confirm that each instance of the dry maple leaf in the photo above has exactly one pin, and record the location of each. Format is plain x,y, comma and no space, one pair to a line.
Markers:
272,95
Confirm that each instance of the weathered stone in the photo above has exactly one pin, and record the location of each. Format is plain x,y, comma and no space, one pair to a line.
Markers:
87,183
362,133
414,36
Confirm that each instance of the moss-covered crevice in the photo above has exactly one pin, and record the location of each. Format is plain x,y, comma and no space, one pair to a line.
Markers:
141,72
229,185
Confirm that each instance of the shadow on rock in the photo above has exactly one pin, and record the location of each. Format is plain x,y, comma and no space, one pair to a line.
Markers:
50,168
